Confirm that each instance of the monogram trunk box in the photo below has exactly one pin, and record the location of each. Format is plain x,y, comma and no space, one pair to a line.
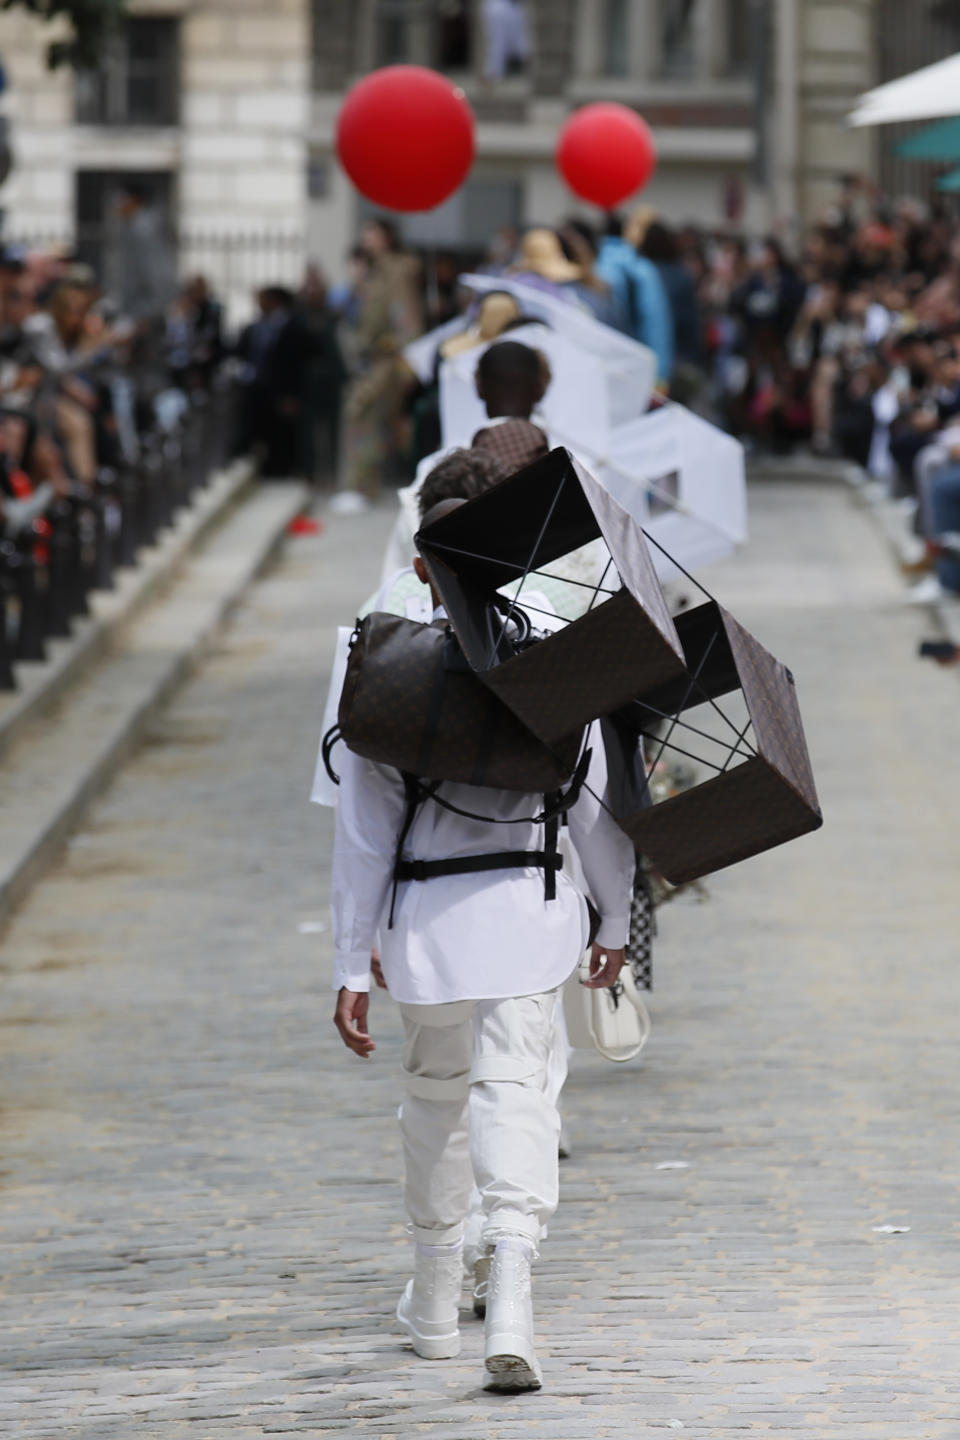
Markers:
625,643
754,787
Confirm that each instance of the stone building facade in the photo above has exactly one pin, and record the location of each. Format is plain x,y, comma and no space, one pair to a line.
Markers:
226,111
826,58
687,66
204,103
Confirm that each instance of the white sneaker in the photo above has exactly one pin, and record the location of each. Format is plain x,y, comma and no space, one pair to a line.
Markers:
927,592
348,502
510,1356
429,1306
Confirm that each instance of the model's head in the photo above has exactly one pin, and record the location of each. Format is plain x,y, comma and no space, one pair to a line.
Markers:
458,478
379,237
511,379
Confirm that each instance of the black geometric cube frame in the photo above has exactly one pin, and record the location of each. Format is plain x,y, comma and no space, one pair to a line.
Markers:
761,792
626,642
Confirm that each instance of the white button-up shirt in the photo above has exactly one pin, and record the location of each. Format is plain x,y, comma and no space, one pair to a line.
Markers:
475,936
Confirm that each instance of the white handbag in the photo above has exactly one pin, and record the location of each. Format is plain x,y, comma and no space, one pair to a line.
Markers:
615,1022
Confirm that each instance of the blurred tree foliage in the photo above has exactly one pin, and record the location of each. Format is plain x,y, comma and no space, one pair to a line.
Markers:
90,22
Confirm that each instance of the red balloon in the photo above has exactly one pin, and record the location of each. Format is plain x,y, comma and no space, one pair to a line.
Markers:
405,137
605,153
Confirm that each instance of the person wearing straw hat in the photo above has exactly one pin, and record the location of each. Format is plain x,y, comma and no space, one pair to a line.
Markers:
542,265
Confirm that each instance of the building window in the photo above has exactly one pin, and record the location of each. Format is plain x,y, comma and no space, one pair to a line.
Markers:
438,33
615,58
741,15
677,47
99,227
453,37
393,32
137,81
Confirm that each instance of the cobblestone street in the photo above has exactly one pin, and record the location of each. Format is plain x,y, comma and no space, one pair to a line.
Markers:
199,1185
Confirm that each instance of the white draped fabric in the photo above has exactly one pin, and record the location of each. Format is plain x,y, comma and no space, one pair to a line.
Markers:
684,481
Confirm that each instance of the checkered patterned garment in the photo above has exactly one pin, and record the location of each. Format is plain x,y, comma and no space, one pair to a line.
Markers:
516,443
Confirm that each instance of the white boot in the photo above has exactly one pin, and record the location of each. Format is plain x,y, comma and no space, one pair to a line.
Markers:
429,1306
511,1359
480,1279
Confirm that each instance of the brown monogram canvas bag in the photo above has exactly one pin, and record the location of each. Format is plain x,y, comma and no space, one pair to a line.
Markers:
760,795
411,700
625,642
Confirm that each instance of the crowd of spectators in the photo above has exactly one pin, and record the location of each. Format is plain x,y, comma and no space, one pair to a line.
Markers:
76,373
850,350
844,344
97,392
57,420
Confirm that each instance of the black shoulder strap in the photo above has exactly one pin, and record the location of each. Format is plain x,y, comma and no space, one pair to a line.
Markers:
415,793
555,804
551,836
555,807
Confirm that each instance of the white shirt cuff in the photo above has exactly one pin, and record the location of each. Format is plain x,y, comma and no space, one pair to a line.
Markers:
351,971
613,932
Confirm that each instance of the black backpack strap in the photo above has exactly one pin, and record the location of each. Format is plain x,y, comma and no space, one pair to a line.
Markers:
555,809
558,803
415,793
551,835
549,859
479,864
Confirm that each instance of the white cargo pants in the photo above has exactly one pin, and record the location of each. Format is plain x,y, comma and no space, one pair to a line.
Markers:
482,1083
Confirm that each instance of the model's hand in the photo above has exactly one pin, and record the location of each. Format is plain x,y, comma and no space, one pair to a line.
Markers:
605,966
376,969
350,1019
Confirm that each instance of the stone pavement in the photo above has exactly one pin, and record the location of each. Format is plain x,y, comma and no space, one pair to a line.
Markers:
199,1185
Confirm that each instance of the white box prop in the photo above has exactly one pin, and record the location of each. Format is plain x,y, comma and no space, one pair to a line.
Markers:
577,410
684,480
630,368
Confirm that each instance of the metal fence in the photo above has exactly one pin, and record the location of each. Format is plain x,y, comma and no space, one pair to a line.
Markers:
236,263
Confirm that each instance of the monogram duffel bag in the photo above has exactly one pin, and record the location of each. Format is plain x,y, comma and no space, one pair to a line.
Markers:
411,700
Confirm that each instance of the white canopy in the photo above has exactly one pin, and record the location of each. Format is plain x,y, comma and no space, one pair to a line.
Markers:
680,477
631,368
923,95
421,354
580,409
683,480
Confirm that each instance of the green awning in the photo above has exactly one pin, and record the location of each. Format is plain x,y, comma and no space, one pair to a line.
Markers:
949,182
934,142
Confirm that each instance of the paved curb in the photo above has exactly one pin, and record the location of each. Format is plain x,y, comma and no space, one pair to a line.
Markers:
40,684
156,657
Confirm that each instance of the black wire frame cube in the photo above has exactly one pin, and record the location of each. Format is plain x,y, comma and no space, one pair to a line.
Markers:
624,643
761,792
